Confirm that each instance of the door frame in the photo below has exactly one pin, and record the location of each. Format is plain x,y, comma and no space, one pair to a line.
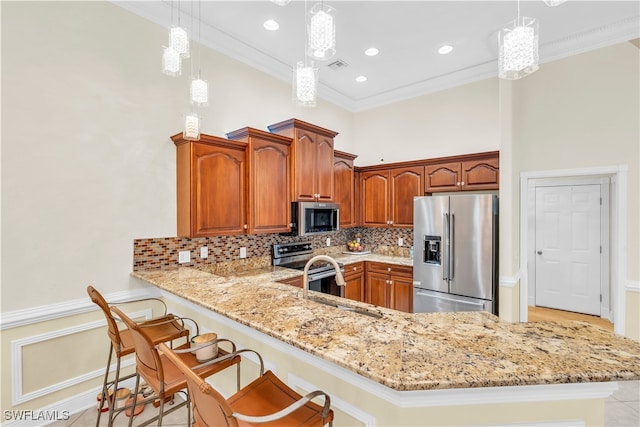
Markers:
605,229
618,237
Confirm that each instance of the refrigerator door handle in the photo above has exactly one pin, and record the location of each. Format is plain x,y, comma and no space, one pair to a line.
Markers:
422,294
452,250
445,246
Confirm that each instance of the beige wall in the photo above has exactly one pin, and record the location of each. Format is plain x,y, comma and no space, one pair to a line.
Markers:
461,120
87,165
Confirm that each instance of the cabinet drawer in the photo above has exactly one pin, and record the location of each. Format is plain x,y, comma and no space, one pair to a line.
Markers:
392,269
353,269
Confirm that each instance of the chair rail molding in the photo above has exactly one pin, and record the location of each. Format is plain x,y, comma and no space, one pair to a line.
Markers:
29,316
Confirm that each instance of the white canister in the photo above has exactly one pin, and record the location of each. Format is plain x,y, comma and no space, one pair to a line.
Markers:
205,353
120,398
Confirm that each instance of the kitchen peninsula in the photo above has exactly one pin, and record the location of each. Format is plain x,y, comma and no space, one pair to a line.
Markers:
409,369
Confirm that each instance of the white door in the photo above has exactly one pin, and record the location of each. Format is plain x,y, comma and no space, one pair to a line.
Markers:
567,242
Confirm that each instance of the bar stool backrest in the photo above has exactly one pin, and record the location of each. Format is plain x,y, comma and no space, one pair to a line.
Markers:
112,326
210,408
148,361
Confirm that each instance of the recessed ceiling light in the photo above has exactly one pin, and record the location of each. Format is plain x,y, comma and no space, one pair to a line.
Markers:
444,49
361,79
271,25
372,51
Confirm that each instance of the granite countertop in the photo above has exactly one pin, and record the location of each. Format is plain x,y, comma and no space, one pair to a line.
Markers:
408,351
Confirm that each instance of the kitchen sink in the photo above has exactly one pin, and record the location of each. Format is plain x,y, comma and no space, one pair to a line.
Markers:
361,311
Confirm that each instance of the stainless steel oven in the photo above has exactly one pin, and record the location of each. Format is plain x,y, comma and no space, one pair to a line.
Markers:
322,276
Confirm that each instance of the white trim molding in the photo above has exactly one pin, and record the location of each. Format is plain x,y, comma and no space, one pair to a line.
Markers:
633,286
509,281
17,346
618,236
44,313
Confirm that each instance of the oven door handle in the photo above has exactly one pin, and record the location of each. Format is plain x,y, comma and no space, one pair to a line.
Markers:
322,275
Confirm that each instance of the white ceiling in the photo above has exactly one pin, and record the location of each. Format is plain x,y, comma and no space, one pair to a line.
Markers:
407,33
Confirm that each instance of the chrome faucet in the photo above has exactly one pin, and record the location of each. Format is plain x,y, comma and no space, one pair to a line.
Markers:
305,276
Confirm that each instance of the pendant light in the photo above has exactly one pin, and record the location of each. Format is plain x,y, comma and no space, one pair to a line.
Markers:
518,48
171,62
199,89
305,83
191,127
305,78
321,32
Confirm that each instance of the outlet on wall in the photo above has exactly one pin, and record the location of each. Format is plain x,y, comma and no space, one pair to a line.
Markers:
328,241
204,252
400,241
243,252
184,256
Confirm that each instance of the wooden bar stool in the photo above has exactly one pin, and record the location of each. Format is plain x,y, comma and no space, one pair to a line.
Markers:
165,328
266,401
162,375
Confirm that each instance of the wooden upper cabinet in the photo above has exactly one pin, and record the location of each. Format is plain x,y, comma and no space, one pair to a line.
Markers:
481,174
268,179
387,196
312,159
211,186
442,177
344,187
473,173
375,193
406,183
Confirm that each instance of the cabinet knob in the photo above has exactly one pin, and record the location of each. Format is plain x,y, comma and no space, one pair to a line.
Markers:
246,226
355,268
462,183
388,268
458,184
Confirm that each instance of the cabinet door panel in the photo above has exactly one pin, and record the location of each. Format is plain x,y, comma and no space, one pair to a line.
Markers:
375,199
343,172
269,210
481,175
406,183
324,168
219,185
305,166
442,177
402,298
377,289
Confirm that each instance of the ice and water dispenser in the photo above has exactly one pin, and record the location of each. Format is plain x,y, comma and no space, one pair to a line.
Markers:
432,250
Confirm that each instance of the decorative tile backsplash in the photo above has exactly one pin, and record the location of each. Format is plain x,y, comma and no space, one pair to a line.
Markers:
162,252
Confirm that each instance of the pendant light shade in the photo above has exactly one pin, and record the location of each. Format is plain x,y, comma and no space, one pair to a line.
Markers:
191,127
199,92
171,63
553,3
518,49
305,82
179,41
321,32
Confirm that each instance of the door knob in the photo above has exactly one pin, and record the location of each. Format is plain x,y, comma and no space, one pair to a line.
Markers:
539,252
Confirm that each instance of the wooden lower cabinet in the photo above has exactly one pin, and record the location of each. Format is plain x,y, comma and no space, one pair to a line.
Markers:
390,286
293,281
354,275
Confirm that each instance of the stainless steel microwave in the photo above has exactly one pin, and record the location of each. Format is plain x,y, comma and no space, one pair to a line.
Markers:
314,217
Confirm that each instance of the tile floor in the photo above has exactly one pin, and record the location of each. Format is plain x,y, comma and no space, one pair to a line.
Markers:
621,409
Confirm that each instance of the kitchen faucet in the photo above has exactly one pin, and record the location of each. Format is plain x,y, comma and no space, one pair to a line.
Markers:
305,276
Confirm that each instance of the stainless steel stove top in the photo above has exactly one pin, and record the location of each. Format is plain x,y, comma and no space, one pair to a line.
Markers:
296,255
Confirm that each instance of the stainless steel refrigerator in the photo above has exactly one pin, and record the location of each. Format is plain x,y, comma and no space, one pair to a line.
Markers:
455,262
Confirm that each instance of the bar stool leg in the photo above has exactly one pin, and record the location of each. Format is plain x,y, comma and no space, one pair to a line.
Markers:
105,391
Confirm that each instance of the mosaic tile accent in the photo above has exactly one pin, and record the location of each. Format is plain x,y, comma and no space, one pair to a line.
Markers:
162,252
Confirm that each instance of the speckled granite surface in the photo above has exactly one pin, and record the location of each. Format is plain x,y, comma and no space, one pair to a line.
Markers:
409,351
